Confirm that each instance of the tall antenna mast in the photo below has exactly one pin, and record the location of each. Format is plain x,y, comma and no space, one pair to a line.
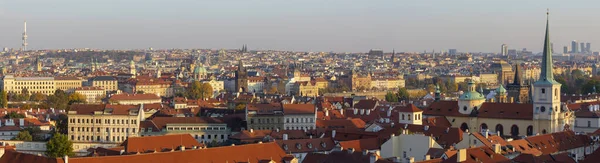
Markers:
24,48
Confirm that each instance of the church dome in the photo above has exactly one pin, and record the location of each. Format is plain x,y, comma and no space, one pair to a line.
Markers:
199,70
471,94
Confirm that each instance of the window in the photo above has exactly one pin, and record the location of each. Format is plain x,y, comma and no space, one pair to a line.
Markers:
543,109
543,90
465,108
402,116
589,124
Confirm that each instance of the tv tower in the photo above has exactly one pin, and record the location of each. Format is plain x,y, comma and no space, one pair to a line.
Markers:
24,48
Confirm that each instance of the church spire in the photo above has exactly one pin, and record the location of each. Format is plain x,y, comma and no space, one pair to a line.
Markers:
547,75
517,80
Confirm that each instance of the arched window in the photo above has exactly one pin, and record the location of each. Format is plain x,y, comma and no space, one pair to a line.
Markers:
465,108
543,90
514,130
402,116
543,109
464,127
555,92
529,130
500,129
483,126
544,131
408,116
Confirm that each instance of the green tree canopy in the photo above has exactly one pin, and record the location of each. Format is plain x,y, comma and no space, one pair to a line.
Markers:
403,94
391,97
58,146
199,90
23,135
14,115
3,99
76,98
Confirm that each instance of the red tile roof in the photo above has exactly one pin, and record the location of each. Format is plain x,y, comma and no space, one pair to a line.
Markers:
241,153
157,143
408,108
506,111
444,108
363,144
306,145
298,109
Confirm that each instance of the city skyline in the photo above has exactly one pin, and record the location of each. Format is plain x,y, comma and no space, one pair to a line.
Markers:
332,26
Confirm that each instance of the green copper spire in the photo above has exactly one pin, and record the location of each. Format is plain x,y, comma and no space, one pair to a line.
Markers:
546,75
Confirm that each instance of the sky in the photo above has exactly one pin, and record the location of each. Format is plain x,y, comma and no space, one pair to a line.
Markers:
299,25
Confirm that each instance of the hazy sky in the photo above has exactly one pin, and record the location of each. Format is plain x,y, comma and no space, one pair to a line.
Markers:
300,25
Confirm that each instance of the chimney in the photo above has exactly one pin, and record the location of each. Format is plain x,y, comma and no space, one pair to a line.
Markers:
285,136
392,124
486,133
461,155
277,129
497,148
251,130
426,127
333,134
365,152
66,159
427,157
327,113
21,122
260,142
342,111
411,159
512,99
350,150
122,151
372,159
182,148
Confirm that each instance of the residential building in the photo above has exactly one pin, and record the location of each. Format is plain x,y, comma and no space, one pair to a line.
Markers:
104,122
299,116
43,85
92,94
264,116
202,129
408,145
109,83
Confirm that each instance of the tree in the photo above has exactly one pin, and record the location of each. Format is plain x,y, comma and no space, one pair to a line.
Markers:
37,97
61,124
403,94
23,136
76,98
58,101
391,97
199,90
591,86
58,146
430,88
3,99
14,115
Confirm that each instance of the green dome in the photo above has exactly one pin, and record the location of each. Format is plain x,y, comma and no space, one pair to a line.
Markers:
199,70
501,90
471,96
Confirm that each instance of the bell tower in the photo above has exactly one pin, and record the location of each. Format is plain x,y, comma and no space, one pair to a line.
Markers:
546,94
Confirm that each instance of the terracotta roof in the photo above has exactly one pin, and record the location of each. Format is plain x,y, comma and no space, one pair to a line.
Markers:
524,147
363,144
147,96
558,141
344,156
557,158
366,104
506,111
594,157
408,108
444,108
157,143
341,124
298,109
306,145
437,121
12,156
479,154
238,153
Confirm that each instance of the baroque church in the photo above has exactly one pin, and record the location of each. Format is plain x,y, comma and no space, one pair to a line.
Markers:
544,114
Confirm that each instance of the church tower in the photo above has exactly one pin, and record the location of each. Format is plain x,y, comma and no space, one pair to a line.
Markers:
38,64
501,94
546,94
241,78
470,100
132,70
